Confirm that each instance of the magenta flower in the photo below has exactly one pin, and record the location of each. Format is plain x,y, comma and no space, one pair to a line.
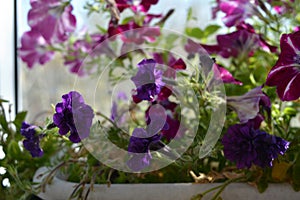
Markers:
247,106
142,6
52,18
34,49
245,145
86,49
220,73
282,7
285,75
134,33
236,11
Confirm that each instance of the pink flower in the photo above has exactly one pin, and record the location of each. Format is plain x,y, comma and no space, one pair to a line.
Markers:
285,75
133,33
83,51
142,6
224,75
34,49
236,11
52,18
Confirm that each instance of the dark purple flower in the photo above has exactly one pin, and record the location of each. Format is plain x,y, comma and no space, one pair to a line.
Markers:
171,129
139,147
34,49
285,75
262,42
52,18
32,141
148,80
245,146
162,117
247,106
240,43
74,116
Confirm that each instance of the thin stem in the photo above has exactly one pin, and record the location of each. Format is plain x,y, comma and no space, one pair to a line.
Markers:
215,197
110,121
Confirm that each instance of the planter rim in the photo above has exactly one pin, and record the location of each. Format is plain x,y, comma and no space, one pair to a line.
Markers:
61,189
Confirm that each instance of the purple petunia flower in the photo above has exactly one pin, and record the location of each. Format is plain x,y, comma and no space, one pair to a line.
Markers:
285,75
262,42
139,147
74,116
32,141
247,105
148,81
34,49
52,18
240,43
245,146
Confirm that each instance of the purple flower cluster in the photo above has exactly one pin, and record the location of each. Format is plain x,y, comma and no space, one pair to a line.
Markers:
32,141
245,145
162,116
74,116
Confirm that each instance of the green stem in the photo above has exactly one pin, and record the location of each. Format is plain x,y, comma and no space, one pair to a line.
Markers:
110,121
215,197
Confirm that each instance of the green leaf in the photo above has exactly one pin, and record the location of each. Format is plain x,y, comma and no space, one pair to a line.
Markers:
189,14
101,29
262,184
194,32
3,101
19,119
127,19
211,29
13,150
290,111
4,123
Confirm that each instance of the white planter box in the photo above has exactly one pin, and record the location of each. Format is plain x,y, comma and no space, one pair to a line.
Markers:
60,189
